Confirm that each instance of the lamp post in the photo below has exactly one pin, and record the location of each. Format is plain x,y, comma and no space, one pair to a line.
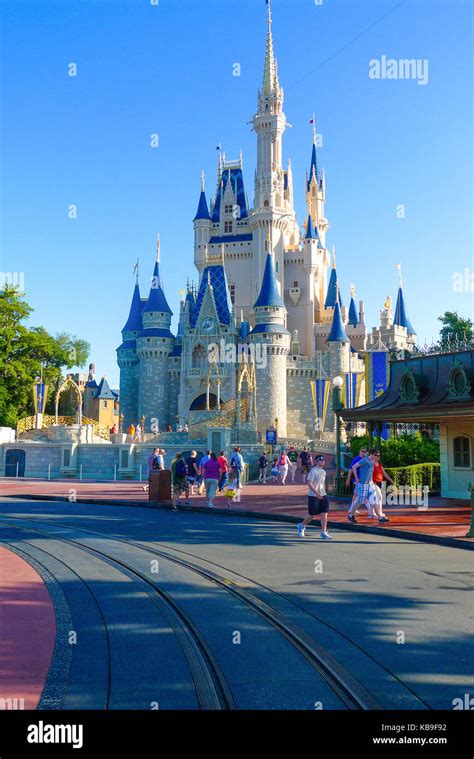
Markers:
337,406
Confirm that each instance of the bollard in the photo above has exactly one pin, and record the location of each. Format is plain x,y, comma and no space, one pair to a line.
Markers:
80,472
140,472
115,472
17,468
49,471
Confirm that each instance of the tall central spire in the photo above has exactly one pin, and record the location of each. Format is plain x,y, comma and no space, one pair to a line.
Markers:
271,91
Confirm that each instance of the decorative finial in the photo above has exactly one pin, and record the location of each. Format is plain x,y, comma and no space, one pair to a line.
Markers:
333,257
241,315
353,290
209,278
400,281
314,129
202,180
135,270
158,248
241,158
269,14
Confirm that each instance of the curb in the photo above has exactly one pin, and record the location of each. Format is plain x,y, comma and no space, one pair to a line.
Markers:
288,518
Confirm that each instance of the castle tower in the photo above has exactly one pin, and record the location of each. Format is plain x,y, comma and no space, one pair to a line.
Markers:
127,359
273,338
338,345
401,317
273,213
154,345
355,327
202,229
316,193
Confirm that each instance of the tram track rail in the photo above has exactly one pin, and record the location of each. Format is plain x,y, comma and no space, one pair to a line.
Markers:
352,693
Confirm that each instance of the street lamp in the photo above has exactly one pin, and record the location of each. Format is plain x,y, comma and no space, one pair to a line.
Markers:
337,406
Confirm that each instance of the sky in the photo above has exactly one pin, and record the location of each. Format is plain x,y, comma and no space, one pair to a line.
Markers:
397,152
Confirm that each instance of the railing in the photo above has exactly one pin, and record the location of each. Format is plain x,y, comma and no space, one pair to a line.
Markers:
29,423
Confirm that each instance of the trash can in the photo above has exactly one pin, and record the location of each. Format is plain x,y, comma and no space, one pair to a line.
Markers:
159,481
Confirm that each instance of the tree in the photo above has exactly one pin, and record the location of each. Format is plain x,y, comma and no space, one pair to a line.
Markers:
25,353
454,326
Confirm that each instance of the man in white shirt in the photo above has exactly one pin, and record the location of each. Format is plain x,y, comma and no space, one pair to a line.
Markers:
318,502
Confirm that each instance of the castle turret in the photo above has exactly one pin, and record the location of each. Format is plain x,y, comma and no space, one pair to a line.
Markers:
401,317
316,193
127,359
154,344
202,228
355,326
273,338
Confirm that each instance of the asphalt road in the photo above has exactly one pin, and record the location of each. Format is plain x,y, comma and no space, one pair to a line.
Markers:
189,610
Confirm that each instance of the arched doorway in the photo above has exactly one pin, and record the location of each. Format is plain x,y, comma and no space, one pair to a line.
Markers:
15,461
199,403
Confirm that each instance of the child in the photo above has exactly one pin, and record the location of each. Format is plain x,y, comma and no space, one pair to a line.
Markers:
274,469
230,491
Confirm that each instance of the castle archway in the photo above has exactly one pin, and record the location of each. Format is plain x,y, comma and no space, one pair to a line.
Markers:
199,403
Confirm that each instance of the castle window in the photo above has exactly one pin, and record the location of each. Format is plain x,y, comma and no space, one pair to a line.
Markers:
105,404
295,283
232,294
462,452
227,226
228,209
124,459
276,266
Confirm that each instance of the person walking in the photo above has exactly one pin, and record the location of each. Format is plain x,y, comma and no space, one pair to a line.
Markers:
365,488
152,463
203,461
306,462
274,469
180,479
230,491
378,477
262,468
193,471
223,463
212,474
363,452
237,465
283,466
293,459
318,502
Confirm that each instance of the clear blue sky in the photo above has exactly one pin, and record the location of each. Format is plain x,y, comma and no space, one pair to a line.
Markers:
168,69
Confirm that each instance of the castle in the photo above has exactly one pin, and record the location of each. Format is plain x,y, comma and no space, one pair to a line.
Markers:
263,284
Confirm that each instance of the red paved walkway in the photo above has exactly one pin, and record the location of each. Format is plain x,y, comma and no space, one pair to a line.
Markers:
27,632
444,517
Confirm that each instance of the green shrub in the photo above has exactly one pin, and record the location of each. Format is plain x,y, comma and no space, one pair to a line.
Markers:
417,475
403,450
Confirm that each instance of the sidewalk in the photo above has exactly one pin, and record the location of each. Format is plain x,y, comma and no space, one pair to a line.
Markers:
445,518
27,633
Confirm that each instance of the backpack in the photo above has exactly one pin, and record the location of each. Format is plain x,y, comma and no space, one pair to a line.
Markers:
181,470
155,463
282,460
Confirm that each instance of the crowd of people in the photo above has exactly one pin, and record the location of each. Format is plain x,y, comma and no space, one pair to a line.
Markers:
214,474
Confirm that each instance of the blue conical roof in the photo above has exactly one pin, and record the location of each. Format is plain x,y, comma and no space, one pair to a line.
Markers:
337,333
314,165
104,391
401,317
269,293
156,299
202,209
311,233
134,321
353,313
333,293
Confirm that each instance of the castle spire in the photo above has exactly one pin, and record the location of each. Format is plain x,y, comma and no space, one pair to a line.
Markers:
270,74
337,333
333,295
202,209
269,293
